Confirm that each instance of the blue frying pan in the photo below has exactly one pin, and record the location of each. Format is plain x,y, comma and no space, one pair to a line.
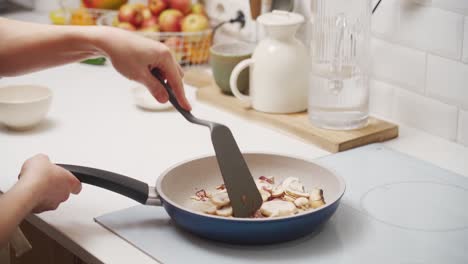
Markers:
177,184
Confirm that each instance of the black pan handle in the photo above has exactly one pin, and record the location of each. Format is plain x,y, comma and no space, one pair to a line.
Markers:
121,184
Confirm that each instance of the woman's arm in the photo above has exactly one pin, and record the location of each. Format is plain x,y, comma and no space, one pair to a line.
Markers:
42,186
27,47
15,204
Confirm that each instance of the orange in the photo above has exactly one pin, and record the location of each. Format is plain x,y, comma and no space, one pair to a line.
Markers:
82,17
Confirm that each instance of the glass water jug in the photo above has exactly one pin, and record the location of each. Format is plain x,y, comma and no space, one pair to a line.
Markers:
339,50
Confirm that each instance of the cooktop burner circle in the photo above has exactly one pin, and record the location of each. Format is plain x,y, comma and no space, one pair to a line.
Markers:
418,205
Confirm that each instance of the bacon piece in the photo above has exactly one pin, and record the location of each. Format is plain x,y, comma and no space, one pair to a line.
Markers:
221,187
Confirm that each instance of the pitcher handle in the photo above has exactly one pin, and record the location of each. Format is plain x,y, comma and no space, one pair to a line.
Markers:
233,81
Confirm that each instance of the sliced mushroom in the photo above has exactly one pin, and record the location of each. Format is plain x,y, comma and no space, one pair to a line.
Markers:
288,198
265,195
206,207
278,208
316,204
270,180
292,182
220,199
225,211
296,194
316,194
302,203
277,191
293,187
263,185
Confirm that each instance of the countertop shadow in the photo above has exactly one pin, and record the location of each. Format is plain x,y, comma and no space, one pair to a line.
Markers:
44,126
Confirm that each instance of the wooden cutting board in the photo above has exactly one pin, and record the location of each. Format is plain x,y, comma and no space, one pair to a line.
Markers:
297,124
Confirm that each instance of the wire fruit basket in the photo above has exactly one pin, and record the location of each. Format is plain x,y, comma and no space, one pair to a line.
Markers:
189,48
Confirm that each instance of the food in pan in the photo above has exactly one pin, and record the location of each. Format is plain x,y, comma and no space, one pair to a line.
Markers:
285,199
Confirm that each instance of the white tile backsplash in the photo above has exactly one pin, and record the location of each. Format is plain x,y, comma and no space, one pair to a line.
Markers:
402,65
419,76
386,18
427,114
463,128
447,79
420,65
382,99
460,6
465,42
431,29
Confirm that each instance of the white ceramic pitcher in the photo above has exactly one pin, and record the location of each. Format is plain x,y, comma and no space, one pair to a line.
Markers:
279,67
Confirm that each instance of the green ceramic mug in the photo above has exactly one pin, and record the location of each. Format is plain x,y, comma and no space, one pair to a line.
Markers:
223,58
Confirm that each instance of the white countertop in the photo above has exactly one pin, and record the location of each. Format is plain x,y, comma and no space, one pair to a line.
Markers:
94,122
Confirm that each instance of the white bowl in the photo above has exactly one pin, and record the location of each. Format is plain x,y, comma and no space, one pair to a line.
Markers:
145,100
24,106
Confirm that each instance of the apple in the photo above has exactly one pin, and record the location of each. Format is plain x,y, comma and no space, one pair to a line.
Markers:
104,4
126,12
126,26
151,28
157,6
175,45
195,23
130,14
139,6
146,13
183,6
170,20
198,9
150,22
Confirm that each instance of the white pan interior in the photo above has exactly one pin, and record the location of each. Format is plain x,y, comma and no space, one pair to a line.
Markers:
181,181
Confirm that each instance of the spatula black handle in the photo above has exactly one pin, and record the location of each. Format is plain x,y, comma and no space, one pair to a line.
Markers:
172,98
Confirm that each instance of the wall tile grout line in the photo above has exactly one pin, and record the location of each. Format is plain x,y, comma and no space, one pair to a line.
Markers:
396,83
443,7
457,124
462,34
395,41
427,95
426,62
424,94
463,40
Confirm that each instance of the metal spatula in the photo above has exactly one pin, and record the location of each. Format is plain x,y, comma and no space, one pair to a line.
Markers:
241,188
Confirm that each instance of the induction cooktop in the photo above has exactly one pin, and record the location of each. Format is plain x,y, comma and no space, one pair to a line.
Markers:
396,209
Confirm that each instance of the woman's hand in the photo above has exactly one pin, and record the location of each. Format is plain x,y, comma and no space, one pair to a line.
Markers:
49,183
134,57
42,186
